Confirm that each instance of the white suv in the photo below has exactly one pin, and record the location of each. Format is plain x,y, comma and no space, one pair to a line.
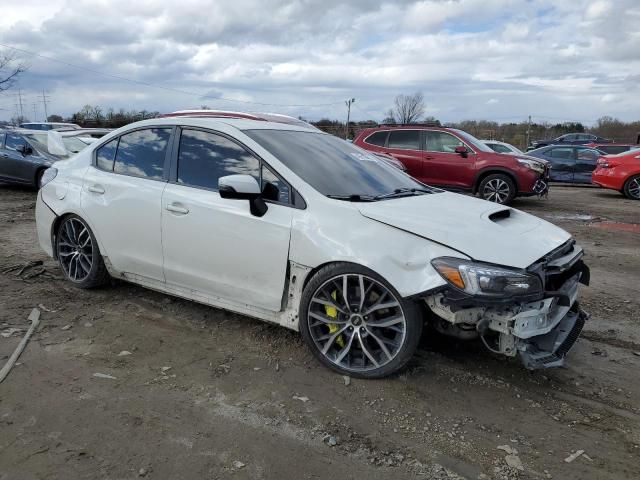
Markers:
296,227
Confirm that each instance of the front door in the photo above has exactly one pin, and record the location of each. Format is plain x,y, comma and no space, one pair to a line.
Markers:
442,165
563,163
215,245
122,194
586,159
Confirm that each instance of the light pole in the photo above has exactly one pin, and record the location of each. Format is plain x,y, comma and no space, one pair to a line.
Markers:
348,104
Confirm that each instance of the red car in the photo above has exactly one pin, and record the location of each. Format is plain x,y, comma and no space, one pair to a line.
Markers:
613,148
455,160
619,172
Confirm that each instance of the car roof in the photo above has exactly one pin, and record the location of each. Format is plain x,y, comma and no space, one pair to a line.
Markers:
213,122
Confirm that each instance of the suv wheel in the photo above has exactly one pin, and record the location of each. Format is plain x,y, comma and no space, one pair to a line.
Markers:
498,188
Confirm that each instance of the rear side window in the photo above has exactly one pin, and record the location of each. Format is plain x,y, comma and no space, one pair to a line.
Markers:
378,138
613,150
405,139
106,154
142,153
204,157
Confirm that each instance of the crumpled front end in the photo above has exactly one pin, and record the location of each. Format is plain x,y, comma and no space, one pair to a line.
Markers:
540,331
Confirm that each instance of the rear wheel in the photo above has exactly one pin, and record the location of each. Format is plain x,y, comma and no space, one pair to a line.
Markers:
632,188
356,323
79,255
498,188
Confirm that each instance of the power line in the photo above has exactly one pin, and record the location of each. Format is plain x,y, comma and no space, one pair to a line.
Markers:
162,87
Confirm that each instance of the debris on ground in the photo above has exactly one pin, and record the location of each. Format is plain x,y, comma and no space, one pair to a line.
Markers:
347,380
45,309
142,472
165,369
34,317
124,353
29,270
10,331
66,327
330,440
573,456
104,375
514,462
238,464
302,399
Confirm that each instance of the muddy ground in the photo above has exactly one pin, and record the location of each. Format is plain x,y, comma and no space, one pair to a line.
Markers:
207,394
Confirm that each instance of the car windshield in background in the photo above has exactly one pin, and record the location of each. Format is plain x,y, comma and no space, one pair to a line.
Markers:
39,142
473,141
334,167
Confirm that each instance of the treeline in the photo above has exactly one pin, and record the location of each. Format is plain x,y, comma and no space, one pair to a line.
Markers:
95,117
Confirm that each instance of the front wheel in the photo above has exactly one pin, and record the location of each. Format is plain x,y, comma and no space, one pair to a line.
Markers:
78,254
632,188
356,323
498,188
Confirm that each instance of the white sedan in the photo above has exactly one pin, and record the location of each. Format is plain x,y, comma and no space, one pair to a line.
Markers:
293,226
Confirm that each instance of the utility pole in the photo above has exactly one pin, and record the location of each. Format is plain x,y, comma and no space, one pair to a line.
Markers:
45,99
348,104
528,133
35,112
20,103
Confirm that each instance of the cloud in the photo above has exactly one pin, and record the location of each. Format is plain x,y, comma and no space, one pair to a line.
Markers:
541,57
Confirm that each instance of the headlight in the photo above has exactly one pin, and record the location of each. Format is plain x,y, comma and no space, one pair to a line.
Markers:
482,279
48,175
531,164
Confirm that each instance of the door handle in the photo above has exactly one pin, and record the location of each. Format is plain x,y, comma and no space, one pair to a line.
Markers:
96,189
5,155
172,207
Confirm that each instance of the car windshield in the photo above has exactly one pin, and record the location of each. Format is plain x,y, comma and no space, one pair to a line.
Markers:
473,141
334,167
39,142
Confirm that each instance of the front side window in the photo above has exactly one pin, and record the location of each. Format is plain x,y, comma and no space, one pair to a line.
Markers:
14,142
142,153
566,153
404,139
204,157
588,154
442,142
378,138
499,148
332,166
106,155
273,187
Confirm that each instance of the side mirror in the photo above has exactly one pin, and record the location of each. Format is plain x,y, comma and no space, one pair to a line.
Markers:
462,151
243,187
25,150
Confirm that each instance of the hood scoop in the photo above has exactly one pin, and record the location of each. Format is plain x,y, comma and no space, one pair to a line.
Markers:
500,215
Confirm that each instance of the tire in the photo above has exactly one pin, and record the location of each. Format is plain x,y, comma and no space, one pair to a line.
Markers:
498,188
364,338
631,188
79,255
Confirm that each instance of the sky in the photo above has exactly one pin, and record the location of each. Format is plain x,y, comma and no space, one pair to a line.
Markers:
472,59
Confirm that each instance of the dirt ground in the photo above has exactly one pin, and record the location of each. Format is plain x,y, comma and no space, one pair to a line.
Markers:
207,394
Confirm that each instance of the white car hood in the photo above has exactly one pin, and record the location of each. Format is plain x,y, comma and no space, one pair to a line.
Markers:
482,230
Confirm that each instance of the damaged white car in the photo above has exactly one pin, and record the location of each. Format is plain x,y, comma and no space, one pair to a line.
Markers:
297,227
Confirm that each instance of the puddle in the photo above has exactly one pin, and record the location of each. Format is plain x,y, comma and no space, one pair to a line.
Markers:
572,216
618,226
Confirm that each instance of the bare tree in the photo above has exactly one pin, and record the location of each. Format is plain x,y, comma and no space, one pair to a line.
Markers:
10,70
406,109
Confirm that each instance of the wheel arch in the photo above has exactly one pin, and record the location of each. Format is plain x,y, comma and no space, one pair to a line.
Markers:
56,224
482,174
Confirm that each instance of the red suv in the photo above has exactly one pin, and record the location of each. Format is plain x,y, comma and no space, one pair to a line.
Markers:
455,160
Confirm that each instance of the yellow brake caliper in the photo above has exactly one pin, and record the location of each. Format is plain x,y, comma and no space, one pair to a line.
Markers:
333,327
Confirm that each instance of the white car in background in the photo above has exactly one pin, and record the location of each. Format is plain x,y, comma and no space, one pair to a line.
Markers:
502,147
297,227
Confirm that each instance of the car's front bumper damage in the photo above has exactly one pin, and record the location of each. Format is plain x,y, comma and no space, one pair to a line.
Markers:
539,331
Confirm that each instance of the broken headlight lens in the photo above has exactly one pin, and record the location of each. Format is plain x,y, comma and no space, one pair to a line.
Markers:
483,279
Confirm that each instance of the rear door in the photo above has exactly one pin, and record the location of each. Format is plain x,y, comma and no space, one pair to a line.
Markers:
586,159
214,245
121,198
404,144
563,163
442,165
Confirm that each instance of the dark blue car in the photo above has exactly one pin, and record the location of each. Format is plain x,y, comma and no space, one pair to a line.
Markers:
569,163
570,139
